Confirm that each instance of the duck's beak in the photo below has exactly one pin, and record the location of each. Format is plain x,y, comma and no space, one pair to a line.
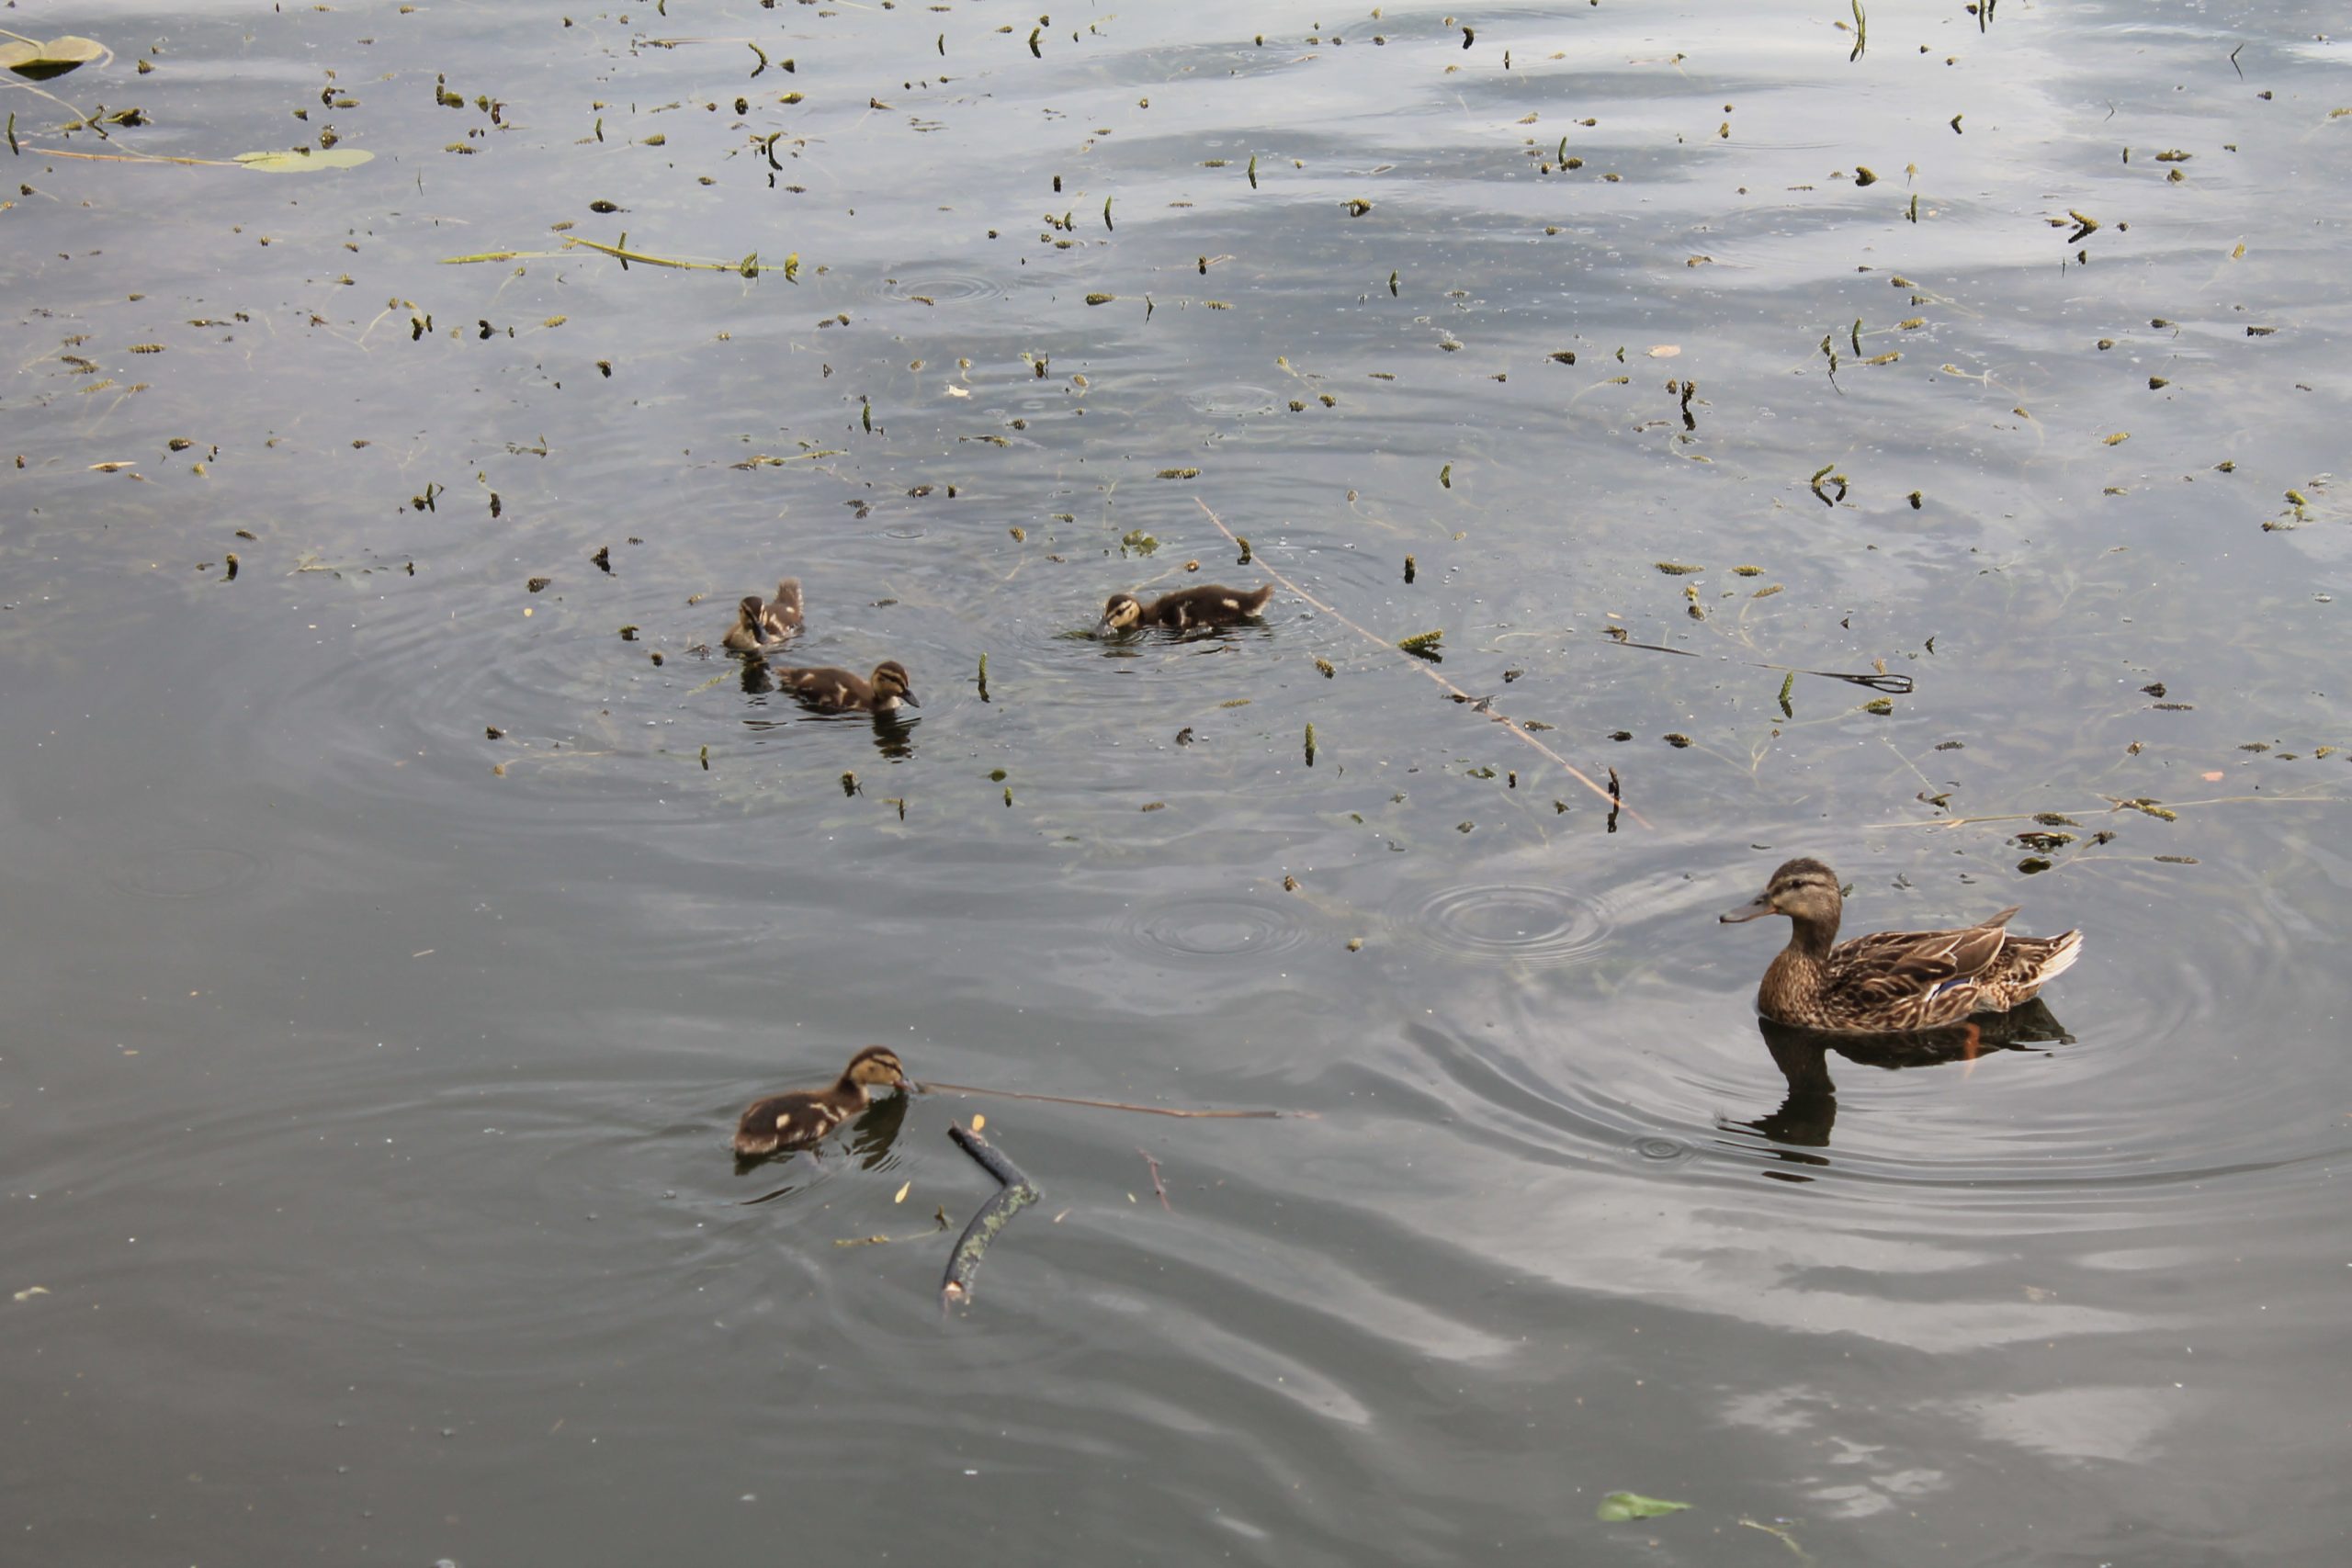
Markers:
908,698
1754,909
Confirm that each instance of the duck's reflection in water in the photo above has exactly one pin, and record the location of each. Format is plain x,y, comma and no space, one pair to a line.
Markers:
1810,1109
894,735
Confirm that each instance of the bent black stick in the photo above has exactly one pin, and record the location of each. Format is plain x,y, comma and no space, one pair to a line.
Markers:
1015,1192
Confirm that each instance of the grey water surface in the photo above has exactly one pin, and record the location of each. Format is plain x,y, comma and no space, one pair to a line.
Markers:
390,937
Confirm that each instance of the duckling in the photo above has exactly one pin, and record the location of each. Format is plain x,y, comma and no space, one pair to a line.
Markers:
764,624
1207,605
838,691
1891,980
802,1119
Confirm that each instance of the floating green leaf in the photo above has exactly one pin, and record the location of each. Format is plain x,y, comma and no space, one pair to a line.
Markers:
40,61
1619,1507
296,160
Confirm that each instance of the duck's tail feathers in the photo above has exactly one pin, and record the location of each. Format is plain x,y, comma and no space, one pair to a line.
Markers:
2064,948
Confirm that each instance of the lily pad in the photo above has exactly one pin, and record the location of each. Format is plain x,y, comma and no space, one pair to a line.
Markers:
40,61
1619,1507
297,161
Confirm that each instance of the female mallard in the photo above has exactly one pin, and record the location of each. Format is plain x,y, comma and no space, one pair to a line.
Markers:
838,691
765,623
1890,980
1207,605
802,1119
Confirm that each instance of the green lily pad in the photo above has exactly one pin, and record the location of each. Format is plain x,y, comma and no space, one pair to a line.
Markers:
40,61
1619,1507
296,161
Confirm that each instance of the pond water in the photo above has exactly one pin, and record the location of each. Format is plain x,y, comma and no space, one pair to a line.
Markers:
396,923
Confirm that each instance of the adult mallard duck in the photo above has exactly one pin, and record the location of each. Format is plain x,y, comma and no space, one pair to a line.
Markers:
802,1119
765,623
838,691
1207,605
1890,980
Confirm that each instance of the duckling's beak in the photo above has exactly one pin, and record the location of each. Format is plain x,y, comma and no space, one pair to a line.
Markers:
908,698
1755,908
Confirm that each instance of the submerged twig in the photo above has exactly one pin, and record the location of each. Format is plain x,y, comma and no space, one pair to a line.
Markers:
1484,705
133,158
940,1223
1155,1185
1112,1104
1901,685
1016,1193
2136,803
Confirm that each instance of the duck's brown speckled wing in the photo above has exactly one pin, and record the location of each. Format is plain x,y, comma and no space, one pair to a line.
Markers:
1918,977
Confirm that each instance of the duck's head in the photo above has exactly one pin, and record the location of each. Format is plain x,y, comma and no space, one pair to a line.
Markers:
747,613
877,1064
892,683
1802,890
1120,613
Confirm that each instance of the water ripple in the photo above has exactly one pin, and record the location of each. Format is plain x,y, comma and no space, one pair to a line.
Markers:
936,283
1511,922
1212,930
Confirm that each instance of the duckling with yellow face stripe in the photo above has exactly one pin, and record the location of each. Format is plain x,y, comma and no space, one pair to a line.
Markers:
837,691
1207,605
804,1118
766,623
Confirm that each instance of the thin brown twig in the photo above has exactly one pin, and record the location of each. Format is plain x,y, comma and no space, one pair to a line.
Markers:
1156,1186
1117,1105
133,158
2115,805
1498,715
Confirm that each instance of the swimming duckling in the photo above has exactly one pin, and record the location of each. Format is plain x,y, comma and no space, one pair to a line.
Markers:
1207,605
765,623
838,691
1891,981
802,1119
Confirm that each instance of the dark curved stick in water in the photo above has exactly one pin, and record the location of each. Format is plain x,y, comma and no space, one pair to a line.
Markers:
1112,1104
1015,1192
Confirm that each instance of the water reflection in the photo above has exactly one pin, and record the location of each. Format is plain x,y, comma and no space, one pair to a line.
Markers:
894,735
1810,1109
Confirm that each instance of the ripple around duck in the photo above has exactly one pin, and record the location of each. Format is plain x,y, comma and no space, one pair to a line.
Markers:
1230,399
937,284
186,872
1511,922
1213,930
